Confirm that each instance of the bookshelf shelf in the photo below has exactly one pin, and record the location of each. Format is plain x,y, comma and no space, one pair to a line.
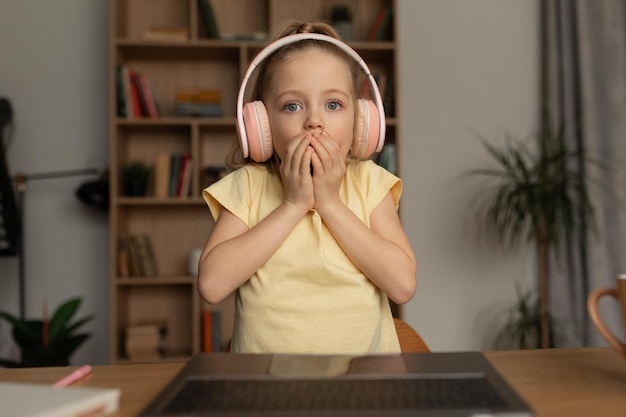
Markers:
226,122
154,201
176,226
162,280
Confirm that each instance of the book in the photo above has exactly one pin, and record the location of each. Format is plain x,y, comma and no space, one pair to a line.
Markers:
381,23
141,105
134,257
175,163
211,331
187,108
146,256
123,268
129,112
39,400
146,89
203,95
162,175
382,30
207,331
145,341
217,331
184,180
208,18
120,93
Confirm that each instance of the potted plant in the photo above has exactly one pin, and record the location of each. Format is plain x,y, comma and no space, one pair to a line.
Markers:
341,19
47,342
522,329
136,175
535,195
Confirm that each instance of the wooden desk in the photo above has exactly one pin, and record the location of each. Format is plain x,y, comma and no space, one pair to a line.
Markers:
557,382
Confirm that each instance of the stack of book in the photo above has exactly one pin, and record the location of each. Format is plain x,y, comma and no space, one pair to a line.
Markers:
211,174
211,331
136,257
201,102
135,96
145,341
172,175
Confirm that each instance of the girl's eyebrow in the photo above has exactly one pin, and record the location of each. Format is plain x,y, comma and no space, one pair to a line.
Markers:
330,91
289,93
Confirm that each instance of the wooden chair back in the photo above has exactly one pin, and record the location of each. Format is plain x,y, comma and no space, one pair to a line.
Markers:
410,340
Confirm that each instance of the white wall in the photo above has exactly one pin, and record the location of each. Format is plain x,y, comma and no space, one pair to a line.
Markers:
53,67
465,66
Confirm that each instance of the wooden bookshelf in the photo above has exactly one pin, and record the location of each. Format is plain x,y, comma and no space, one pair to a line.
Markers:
176,225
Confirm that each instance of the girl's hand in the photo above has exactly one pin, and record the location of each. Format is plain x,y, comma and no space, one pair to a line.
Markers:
329,168
295,172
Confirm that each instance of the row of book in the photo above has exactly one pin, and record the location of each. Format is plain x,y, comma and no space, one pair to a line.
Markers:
211,331
202,102
136,257
172,175
145,341
379,30
382,23
135,95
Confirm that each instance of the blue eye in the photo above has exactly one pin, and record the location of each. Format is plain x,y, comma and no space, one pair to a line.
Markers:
333,105
291,107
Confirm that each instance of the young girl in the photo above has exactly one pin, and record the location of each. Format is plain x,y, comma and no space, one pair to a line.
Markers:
310,239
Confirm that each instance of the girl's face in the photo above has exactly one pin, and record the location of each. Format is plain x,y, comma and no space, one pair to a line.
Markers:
310,91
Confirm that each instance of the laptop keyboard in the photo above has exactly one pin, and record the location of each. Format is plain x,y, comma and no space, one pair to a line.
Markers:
283,396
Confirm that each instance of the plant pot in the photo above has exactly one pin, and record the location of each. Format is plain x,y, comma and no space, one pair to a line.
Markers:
36,360
136,187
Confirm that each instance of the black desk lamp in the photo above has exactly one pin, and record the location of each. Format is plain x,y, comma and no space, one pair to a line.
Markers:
12,206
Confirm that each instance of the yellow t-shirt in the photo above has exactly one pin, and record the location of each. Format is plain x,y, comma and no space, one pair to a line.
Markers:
308,297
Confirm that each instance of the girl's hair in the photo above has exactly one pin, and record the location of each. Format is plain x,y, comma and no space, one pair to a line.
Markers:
286,28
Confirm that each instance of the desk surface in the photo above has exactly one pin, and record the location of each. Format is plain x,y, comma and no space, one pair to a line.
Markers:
555,382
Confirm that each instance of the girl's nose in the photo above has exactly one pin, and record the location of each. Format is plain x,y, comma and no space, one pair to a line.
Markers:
314,121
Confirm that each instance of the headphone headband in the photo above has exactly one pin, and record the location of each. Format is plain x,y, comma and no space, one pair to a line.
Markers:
273,47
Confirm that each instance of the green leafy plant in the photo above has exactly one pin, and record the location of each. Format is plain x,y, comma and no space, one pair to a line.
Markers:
535,195
47,342
136,175
523,328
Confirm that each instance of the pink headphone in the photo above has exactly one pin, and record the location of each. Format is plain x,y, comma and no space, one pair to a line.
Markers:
253,124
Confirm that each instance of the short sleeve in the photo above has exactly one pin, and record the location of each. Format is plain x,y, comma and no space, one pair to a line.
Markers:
378,182
232,193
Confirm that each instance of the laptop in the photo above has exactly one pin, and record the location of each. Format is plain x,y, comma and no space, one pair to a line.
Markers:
408,384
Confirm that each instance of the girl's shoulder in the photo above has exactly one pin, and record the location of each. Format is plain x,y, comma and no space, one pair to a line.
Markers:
248,171
374,180
368,169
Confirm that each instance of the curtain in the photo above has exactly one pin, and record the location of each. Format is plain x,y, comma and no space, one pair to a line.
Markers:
584,91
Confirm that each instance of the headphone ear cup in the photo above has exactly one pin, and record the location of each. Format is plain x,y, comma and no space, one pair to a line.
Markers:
367,129
257,125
